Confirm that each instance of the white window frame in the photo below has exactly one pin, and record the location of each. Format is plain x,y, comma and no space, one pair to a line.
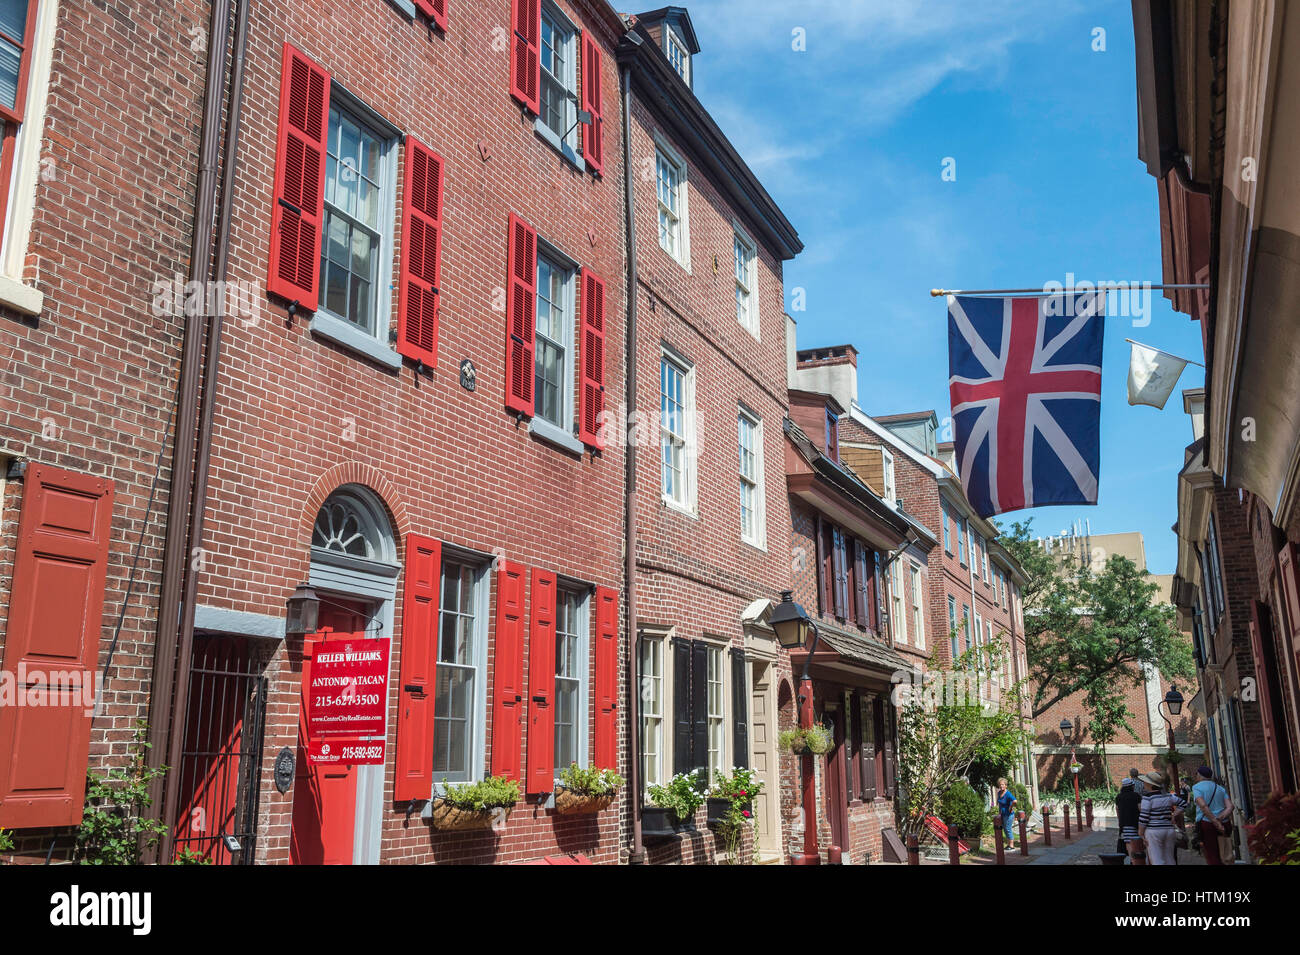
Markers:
759,537
28,169
671,40
887,477
947,529
560,433
687,503
918,611
581,657
954,624
898,619
478,722
976,545
662,639
664,151
741,239
717,651
566,140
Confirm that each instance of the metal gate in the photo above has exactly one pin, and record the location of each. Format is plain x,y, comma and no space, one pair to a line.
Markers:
221,762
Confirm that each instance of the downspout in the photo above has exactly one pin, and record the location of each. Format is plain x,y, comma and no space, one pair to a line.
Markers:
212,360
637,856
176,552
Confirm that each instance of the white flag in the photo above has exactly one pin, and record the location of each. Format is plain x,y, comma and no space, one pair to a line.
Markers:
1152,375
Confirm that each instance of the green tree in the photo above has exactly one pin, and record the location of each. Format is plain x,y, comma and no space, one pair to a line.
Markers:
1108,715
1090,632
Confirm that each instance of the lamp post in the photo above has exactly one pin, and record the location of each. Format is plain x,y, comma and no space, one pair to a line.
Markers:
1173,702
1067,728
303,612
792,624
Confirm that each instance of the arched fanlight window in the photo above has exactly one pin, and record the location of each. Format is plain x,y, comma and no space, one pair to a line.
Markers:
353,523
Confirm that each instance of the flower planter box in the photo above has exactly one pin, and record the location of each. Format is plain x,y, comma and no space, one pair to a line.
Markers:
718,809
447,817
657,823
570,803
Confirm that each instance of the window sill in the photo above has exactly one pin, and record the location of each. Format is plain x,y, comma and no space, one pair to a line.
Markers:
543,430
352,338
674,506
406,6
549,136
20,297
757,545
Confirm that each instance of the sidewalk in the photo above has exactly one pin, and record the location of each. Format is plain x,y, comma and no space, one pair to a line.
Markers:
1080,849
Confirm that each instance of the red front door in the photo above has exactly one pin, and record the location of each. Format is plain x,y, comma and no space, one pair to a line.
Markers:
325,797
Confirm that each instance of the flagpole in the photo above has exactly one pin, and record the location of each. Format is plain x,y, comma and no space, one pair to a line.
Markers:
1163,352
1039,292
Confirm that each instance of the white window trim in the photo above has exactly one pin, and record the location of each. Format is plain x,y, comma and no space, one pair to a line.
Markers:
755,324
482,606
888,478
918,603
566,148
583,656
683,258
759,540
689,457
374,345
898,602
664,637
725,754
28,169
671,38
539,426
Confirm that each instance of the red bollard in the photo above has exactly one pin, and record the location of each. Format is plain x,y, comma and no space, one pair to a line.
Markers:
1066,816
1078,816
997,843
1024,834
913,851
1047,826
1087,806
954,851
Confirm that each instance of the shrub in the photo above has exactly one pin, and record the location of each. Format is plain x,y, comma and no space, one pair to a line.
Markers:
1023,802
682,796
115,829
492,793
1272,839
590,782
962,808
6,840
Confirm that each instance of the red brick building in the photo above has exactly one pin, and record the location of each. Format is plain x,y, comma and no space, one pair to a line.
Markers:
98,174
711,533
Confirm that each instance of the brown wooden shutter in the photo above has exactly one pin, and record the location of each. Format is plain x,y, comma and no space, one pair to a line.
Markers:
841,570
298,193
413,763
860,580
1265,675
52,638
867,750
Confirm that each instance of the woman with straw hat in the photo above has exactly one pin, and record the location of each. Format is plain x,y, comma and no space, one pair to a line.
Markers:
1156,820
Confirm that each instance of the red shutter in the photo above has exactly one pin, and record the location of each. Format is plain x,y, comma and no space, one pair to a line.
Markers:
591,393
297,201
413,774
521,315
418,282
541,682
52,638
860,579
508,672
525,51
435,10
605,750
593,133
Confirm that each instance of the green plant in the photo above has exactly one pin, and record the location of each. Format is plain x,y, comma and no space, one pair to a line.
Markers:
1173,757
1099,795
1023,802
590,782
490,793
1272,839
6,840
188,856
815,739
739,788
682,796
114,829
962,808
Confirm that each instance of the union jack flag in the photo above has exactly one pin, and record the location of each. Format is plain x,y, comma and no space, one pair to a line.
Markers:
1025,382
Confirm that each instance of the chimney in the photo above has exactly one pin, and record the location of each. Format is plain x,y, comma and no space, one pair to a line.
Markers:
829,371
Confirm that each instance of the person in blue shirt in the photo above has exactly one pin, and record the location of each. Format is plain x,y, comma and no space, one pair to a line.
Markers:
1007,808
1213,817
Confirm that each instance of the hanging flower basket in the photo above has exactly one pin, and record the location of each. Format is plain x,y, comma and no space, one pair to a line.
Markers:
816,740
1075,767
448,817
569,802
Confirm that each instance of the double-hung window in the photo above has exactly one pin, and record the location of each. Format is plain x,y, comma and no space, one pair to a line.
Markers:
557,119
678,55
570,678
716,711
652,710
458,713
965,627
553,357
897,620
975,545
952,624
918,615
947,529
752,529
17,29
671,188
676,427
961,541
887,478
746,257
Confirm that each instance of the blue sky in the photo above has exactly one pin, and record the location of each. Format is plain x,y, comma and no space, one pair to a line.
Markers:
850,136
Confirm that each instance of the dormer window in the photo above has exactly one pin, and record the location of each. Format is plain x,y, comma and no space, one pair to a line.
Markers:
832,436
678,55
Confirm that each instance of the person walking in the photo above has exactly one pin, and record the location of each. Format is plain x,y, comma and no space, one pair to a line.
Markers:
1007,808
1213,817
1128,809
1156,820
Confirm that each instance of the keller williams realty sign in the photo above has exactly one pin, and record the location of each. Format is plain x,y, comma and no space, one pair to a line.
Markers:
347,699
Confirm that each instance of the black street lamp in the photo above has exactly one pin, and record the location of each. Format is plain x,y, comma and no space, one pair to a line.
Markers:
792,624
304,612
1173,702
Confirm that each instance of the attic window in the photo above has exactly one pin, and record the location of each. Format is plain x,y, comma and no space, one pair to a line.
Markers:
678,55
